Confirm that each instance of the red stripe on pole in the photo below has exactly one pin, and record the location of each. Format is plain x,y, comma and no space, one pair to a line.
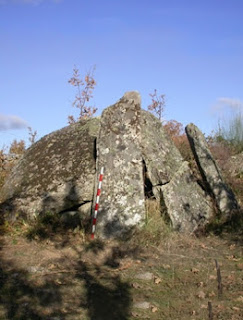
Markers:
97,202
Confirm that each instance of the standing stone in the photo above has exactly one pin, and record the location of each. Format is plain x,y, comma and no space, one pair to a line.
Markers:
223,195
171,178
161,156
122,205
186,203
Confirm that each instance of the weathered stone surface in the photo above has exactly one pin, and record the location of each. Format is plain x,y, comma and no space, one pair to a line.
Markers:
122,204
161,156
171,178
186,203
223,195
57,173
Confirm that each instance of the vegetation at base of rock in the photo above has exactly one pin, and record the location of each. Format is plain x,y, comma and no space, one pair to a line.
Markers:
44,226
233,225
157,227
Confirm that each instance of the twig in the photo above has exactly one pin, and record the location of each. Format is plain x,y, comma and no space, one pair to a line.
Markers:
210,311
220,288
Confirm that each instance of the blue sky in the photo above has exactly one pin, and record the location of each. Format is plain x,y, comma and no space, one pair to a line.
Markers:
190,50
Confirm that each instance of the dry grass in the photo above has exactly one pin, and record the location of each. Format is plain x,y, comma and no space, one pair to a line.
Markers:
66,276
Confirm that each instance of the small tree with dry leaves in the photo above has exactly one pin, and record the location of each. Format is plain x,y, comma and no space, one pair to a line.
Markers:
174,128
32,135
176,131
84,94
158,104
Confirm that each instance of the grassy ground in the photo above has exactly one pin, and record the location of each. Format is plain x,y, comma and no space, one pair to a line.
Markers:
158,274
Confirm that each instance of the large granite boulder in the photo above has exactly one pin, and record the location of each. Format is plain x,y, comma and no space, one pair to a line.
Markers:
122,204
55,174
210,172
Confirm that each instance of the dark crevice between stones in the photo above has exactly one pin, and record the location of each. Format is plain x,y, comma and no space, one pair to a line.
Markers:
149,194
161,184
95,150
202,185
163,209
75,207
148,186
73,217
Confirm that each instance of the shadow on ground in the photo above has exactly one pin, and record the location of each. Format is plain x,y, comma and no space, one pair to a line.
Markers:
76,289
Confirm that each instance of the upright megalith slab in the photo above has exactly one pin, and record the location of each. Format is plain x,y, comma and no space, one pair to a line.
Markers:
121,204
171,178
161,156
223,195
186,203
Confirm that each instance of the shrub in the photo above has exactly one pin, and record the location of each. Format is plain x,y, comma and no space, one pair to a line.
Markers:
32,135
158,104
176,131
84,94
9,159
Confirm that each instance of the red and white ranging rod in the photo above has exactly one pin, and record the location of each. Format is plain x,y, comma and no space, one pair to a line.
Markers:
97,202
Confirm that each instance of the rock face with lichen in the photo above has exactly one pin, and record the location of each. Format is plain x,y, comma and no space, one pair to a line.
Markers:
223,195
171,178
56,174
122,204
160,155
188,206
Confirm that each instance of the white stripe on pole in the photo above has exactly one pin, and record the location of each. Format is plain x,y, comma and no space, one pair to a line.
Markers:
97,202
